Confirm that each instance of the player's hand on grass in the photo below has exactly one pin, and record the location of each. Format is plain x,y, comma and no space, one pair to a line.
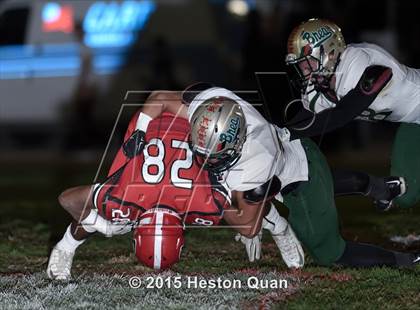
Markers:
135,144
252,245
114,229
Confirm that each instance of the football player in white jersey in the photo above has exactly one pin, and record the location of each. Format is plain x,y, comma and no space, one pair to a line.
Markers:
342,82
255,161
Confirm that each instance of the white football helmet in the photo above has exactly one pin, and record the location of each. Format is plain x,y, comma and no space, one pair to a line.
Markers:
218,132
318,40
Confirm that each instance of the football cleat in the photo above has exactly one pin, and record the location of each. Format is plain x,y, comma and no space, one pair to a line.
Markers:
59,264
416,259
397,187
290,249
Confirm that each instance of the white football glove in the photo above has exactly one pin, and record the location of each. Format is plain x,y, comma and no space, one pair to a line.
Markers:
94,222
285,239
252,245
315,101
114,229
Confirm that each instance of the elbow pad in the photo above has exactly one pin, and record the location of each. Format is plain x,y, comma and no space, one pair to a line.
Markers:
374,79
265,191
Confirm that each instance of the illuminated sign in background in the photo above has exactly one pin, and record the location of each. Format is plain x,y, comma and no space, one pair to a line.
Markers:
106,24
57,18
110,27
115,24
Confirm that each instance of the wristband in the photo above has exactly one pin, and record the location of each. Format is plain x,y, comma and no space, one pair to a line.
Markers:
143,122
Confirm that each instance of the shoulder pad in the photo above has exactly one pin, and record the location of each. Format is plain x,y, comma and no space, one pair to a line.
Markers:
264,191
374,78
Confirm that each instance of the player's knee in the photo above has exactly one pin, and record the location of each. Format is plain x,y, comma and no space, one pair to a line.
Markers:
406,201
323,261
65,199
71,198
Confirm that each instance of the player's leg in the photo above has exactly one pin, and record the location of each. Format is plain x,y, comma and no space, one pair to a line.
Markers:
77,202
381,189
405,162
313,216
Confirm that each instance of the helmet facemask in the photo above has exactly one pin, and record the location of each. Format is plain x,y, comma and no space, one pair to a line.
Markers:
301,78
309,70
217,163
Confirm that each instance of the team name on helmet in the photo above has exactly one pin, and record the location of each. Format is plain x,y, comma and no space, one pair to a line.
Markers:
202,131
316,38
232,131
216,104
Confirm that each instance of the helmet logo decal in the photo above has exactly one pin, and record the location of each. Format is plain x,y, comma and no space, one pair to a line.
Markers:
220,146
306,50
214,105
316,38
202,131
232,132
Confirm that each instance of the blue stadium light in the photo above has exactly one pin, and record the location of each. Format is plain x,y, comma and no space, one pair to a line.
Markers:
110,24
50,12
110,28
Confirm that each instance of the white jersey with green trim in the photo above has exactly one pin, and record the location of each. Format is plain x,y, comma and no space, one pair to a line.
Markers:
262,155
399,101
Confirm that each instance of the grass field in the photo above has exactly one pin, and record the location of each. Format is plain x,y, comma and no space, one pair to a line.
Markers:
31,222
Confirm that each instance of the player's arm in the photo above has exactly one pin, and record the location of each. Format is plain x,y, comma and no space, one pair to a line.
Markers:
157,103
247,210
258,213
244,215
373,80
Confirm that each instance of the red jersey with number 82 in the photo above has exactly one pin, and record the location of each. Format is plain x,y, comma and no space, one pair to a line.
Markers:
164,175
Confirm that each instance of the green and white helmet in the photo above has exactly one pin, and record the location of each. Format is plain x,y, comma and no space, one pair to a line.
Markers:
316,39
218,132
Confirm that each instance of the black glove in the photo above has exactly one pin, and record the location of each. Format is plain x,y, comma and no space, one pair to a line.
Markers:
135,144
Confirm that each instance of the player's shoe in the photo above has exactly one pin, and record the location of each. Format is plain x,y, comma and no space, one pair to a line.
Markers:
397,187
290,248
416,259
59,265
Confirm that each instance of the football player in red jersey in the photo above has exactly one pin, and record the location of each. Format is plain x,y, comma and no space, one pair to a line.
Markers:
157,185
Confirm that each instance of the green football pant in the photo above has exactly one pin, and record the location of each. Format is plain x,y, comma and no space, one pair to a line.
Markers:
312,211
405,162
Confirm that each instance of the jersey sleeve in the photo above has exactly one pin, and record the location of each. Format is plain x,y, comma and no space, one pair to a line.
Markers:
354,63
371,83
